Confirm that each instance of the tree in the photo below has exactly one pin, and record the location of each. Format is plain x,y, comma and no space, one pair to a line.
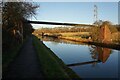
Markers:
95,31
13,16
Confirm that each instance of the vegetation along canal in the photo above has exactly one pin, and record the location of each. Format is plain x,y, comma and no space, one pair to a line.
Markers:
97,62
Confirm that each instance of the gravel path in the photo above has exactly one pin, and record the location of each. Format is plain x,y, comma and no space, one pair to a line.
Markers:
26,65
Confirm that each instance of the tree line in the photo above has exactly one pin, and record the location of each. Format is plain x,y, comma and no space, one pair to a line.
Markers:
62,30
14,28
94,31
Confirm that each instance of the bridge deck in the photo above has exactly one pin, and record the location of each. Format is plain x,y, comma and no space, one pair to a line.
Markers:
57,23
83,63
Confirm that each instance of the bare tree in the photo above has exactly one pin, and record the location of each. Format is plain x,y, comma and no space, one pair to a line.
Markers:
13,16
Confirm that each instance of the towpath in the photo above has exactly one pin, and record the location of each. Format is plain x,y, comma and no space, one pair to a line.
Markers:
26,65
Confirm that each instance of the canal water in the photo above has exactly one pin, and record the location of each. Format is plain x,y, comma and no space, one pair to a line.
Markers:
88,61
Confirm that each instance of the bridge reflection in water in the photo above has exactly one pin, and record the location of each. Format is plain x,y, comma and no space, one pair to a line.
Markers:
98,55
87,61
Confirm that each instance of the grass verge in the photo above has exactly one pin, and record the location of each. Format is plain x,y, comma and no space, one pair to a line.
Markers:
53,67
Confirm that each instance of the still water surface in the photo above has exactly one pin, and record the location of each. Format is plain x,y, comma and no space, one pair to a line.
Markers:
73,52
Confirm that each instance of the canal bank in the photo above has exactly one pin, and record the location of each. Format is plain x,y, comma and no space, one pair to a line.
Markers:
52,66
111,45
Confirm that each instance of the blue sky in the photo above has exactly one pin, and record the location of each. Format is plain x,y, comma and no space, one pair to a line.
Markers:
75,12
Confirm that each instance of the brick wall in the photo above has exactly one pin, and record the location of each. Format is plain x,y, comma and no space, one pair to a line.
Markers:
105,34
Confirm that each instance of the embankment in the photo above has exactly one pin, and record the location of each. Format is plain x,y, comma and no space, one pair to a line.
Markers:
53,67
89,41
76,39
110,45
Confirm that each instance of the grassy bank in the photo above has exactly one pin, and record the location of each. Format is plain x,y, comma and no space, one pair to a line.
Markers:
8,57
53,67
89,41
77,39
72,34
110,45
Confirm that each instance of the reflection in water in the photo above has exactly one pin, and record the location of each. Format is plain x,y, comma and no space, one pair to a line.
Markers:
99,53
60,40
86,60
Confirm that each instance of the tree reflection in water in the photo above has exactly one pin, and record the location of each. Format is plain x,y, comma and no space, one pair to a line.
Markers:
99,54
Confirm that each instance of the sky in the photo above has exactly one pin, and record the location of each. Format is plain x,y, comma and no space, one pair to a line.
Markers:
75,12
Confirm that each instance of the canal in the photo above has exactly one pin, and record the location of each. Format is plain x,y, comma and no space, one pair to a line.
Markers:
88,61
